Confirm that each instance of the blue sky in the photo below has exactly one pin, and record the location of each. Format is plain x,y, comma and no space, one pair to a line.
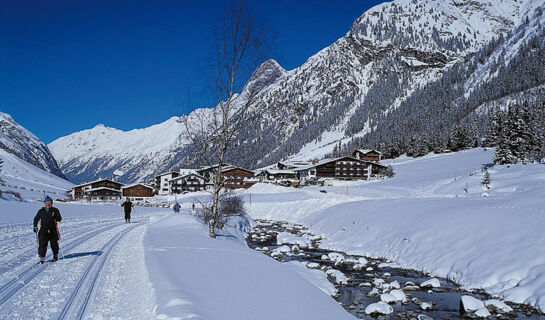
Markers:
67,65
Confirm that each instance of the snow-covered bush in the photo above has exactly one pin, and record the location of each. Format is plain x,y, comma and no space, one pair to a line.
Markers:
229,206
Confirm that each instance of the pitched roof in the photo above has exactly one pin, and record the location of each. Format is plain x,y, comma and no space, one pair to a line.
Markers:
98,180
137,184
186,175
366,151
103,188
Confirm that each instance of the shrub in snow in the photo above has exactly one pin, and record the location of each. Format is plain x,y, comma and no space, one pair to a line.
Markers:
470,304
380,307
431,283
230,205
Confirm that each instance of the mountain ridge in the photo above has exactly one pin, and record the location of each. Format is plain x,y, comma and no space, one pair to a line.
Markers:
342,92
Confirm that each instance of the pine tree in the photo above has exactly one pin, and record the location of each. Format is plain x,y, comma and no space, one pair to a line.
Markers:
494,125
486,178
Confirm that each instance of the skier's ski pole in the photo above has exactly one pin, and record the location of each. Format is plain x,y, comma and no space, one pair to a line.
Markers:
59,239
62,251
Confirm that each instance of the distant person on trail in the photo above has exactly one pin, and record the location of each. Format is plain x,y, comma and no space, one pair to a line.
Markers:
176,207
127,205
48,217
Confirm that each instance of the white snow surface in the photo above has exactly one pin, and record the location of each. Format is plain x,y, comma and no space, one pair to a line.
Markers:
30,181
202,278
163,267
423,219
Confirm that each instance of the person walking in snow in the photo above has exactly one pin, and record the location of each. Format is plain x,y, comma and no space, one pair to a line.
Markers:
127,205
48,217
176,207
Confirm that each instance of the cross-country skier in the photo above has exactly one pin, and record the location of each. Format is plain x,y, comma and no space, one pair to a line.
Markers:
127,205
176,207
48,217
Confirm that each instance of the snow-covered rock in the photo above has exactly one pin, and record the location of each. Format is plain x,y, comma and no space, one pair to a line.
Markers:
339,277
498,305
399,295
482,313
426,306
380,307
470,304
388,298
431,283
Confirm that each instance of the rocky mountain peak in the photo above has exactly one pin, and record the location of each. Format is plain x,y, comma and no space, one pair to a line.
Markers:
20,142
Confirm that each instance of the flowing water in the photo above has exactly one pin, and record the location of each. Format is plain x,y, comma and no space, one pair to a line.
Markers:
364,283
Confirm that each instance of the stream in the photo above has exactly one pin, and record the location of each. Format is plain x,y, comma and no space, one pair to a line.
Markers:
362,282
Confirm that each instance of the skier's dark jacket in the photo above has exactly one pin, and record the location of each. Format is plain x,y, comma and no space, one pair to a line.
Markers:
127,205
48,219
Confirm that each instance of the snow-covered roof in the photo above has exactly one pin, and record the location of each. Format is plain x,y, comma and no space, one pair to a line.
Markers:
187,175
103,188
98,180
225,165
365,151
187,171
137,184
271,171
240,168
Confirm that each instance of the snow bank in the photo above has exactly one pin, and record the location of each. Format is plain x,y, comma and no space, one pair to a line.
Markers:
423,218
202,278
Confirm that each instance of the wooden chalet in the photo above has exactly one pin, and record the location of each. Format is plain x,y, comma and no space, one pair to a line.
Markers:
189,182
236,178
101,189
209,172
138,191
367,155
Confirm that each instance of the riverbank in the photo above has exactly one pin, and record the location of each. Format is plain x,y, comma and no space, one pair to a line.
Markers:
434,216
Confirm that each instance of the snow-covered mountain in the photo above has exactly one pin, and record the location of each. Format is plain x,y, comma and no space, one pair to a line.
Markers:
341,93
20,142
18,177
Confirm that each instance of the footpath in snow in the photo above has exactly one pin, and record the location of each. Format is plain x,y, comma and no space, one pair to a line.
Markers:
424,219
197,277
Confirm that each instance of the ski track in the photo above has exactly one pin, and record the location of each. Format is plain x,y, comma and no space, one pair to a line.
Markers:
68,288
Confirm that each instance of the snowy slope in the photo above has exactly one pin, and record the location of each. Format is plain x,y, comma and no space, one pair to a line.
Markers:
30,181
390,52
424,219
17,140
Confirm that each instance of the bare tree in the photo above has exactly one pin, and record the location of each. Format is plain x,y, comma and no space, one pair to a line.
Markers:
239,43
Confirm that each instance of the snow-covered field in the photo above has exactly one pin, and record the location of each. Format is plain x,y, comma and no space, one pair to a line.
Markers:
163,266
424,219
